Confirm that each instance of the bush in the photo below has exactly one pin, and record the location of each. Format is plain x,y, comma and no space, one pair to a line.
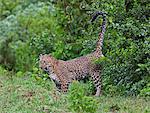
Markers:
145,91
78,101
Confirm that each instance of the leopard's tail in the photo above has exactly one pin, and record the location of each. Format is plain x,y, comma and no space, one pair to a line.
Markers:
103,28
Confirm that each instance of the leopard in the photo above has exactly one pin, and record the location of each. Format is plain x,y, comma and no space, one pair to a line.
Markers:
63,73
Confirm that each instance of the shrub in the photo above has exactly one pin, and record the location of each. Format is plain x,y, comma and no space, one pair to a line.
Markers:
145,91
78,101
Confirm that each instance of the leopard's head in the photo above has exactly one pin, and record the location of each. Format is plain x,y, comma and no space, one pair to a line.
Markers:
46,63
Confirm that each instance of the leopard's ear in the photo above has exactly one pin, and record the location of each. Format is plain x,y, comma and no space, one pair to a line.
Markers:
49,55
40,55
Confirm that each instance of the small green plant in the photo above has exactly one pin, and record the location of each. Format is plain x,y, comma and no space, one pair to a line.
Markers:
2,71
78,101
102,60
145,91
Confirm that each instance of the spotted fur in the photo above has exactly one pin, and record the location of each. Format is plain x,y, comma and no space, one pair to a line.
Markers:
64,72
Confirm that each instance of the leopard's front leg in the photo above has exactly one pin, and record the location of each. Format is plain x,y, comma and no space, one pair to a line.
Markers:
64,82
64,86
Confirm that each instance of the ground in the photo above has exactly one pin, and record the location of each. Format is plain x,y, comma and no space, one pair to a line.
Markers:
27,95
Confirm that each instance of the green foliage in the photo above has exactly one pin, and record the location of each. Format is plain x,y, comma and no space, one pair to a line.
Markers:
78,102
3,71
145,91
24,58
102,61
23,34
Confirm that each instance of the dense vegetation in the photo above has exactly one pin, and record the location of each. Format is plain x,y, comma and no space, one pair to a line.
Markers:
62,28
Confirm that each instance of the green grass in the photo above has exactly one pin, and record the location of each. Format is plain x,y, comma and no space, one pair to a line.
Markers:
27,95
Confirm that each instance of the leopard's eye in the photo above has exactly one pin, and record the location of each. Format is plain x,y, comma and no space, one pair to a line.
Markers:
45,68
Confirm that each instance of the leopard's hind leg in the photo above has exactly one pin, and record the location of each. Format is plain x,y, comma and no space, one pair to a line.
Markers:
96,77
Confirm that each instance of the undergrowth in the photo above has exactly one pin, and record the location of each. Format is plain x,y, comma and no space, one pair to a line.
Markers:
27,94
